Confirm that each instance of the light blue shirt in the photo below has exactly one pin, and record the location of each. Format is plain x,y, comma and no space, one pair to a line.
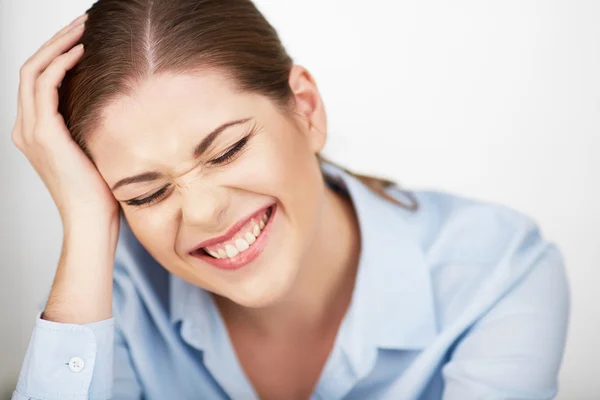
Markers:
458,300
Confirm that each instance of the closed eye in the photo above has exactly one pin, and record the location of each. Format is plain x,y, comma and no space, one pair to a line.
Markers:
225,158
221,160
228,156
154,197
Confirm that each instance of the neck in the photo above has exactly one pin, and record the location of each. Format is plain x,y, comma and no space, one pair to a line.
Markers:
323,288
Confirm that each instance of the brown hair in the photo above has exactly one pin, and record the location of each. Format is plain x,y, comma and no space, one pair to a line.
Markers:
127,41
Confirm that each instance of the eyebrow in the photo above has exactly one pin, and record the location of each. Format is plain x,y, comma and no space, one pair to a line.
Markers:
198,151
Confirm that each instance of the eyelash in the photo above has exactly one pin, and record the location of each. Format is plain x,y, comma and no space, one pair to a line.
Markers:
222,160
147,200
228,156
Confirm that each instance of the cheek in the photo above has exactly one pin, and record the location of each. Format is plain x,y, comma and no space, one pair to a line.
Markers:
289,154
155,231
283,167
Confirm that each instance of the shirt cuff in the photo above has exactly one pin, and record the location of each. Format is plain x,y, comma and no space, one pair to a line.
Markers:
68,361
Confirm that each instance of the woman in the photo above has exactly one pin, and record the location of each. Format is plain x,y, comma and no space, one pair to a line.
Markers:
182,150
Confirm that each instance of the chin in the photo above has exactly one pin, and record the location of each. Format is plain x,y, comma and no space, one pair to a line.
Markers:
263,294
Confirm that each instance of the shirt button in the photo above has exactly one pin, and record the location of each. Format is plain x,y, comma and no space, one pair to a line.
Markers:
76,364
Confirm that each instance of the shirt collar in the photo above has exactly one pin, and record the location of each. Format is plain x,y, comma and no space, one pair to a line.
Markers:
392,304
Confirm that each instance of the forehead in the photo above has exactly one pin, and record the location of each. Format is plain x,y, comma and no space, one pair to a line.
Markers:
163,117
171,103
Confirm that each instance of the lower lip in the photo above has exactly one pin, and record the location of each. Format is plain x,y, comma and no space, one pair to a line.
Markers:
246,257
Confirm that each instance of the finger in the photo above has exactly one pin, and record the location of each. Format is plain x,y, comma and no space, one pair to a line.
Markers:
39,62
28,70
18,127
79,20
19,107
24,124
46,96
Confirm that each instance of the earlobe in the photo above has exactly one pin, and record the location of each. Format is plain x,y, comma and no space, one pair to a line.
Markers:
309,106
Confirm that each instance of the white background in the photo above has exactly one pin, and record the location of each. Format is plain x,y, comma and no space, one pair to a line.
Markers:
498,100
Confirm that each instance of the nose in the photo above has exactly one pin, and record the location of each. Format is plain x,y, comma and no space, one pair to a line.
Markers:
203,205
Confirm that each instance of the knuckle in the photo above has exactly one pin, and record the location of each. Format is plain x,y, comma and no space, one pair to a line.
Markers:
45,80
42,83
17,139
25,70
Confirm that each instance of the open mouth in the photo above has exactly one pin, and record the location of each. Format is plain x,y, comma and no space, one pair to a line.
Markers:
242,241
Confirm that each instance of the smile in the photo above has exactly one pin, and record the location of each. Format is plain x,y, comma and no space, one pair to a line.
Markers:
241,244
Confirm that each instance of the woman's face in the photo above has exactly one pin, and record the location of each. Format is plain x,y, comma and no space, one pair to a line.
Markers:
198,192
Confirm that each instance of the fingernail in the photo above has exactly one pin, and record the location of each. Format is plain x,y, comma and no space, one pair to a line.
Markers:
77,28
79,19
76,48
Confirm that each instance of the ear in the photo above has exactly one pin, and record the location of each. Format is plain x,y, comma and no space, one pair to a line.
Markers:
309,107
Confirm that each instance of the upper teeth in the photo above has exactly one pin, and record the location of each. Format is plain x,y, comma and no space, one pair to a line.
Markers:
250,238
241,243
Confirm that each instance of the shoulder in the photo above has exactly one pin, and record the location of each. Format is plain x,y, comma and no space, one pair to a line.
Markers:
493,274
478,252
457,229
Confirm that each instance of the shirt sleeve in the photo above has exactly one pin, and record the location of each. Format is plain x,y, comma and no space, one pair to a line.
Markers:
516,349
75,362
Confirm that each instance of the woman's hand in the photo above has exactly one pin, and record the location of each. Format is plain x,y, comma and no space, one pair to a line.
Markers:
41,134
82,288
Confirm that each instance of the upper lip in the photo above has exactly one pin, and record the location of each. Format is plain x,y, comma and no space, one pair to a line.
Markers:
230,232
